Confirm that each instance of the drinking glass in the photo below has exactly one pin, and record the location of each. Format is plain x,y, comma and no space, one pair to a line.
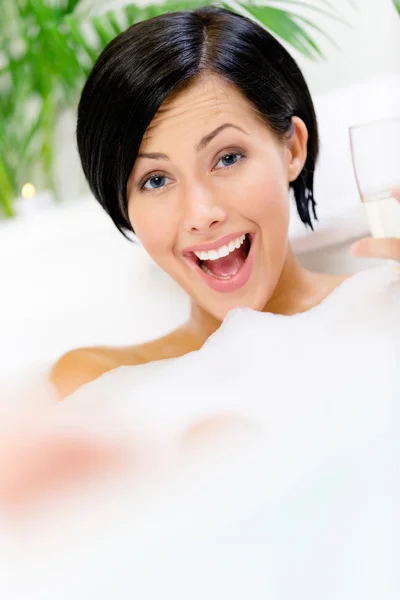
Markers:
375,149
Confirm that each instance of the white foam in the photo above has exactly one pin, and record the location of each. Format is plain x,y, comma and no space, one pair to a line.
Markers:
295,496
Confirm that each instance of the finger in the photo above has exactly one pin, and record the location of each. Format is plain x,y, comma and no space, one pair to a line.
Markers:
377,248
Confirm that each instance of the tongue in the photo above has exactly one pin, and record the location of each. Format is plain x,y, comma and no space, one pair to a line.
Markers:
227,266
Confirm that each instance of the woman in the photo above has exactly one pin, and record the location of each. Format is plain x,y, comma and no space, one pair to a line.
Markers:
192,127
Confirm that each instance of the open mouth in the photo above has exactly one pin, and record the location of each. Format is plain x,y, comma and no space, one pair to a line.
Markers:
228,268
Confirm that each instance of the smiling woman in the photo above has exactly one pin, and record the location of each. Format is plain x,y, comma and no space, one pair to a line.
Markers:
192,128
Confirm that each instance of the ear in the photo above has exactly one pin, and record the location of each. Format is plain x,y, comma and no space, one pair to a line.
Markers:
297,149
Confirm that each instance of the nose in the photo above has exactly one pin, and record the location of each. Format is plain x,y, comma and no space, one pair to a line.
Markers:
202,210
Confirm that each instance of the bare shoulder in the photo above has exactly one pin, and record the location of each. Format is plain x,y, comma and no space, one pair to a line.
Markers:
80,366
83,365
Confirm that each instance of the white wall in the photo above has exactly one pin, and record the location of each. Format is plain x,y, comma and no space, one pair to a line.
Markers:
371,47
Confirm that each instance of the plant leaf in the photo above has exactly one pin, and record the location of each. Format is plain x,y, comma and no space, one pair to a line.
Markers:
300,3
103,30
71,5
284,24
113,20
78,39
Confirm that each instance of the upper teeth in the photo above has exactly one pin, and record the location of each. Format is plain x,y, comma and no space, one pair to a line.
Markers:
223,251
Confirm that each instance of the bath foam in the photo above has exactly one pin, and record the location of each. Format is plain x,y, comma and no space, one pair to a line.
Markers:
297,494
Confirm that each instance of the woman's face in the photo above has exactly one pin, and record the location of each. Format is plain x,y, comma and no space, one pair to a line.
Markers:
208,196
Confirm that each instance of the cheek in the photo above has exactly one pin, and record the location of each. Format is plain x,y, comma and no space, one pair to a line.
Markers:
154,228
267,201
268,207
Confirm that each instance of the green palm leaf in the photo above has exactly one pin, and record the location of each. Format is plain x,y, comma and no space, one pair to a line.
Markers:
330,11
292,27
286,26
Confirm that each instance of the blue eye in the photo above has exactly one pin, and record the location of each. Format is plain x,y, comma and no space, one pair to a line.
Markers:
230,159
157,180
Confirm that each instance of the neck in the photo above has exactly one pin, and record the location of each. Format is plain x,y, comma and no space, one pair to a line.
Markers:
297,291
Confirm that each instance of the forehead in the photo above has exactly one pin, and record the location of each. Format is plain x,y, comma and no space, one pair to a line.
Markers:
208,100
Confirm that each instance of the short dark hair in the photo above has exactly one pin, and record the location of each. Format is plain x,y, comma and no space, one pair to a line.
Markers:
137,71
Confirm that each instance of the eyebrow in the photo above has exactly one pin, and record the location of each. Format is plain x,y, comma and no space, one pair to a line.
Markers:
200,146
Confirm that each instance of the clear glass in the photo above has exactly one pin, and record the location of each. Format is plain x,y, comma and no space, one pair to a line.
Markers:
375,149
